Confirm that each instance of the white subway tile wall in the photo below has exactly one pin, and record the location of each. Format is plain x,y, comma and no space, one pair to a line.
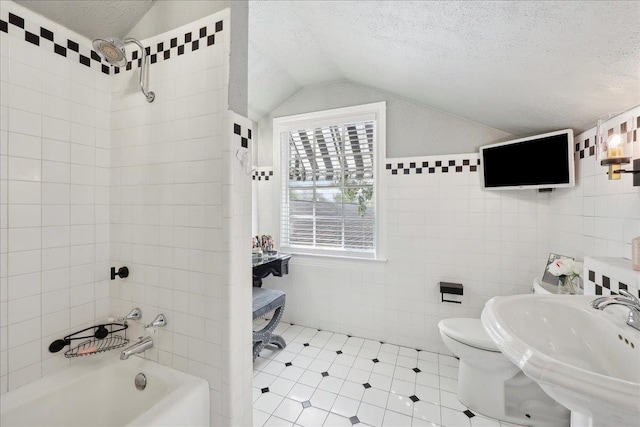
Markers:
237,294
54,246
93,176
598,217
442,227
178,210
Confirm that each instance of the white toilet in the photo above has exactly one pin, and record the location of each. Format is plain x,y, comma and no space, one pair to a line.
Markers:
488,383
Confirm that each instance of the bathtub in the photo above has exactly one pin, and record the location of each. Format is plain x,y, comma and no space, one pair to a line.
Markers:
100,391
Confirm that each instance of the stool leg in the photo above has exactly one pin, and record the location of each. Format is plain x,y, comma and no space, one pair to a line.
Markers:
278,340
257,348
266,336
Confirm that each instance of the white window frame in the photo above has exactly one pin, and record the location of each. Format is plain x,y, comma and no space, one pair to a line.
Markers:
283,125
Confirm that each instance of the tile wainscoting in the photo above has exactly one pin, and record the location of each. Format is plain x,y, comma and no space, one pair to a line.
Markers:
441,226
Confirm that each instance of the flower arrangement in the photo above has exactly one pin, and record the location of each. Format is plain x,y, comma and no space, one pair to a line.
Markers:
567,271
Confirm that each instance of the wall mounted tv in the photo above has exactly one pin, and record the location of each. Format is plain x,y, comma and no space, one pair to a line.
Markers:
539,161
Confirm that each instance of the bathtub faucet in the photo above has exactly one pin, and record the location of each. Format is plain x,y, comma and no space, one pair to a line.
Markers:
144,344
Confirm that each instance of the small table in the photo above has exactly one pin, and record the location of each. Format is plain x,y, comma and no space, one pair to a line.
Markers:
278,265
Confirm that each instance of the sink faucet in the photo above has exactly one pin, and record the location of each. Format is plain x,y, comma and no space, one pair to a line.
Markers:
625,298
139,347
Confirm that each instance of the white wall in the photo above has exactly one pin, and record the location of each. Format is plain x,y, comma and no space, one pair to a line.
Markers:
239,58
167,15
598,217
442,226
412,129
173,222
54,195
236,262
164,199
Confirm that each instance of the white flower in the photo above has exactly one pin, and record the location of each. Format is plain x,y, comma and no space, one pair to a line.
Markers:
577,268
561,267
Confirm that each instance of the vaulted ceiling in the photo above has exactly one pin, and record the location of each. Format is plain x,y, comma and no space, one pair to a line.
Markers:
519,66
93,18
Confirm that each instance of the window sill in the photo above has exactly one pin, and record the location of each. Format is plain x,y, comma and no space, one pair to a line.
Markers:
322,259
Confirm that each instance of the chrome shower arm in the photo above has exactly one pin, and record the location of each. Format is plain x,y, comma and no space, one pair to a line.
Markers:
150,95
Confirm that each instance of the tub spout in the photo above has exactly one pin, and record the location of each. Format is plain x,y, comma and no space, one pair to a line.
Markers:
139,347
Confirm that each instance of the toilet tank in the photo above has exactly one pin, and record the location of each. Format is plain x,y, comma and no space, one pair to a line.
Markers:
539,287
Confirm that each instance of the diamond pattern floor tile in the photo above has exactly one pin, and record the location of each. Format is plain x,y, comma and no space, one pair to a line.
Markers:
335,380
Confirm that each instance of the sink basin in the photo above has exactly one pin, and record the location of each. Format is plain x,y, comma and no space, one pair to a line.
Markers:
586,359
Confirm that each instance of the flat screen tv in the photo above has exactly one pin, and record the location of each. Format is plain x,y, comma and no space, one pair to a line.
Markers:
539,161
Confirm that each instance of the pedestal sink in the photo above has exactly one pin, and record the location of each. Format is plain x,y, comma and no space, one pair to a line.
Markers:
586,359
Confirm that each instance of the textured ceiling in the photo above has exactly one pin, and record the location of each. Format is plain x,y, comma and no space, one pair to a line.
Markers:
519,66
522,67
92,18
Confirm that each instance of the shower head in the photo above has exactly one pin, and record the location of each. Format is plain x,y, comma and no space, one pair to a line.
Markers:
112,50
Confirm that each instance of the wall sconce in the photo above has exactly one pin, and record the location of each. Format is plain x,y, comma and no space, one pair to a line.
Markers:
614,150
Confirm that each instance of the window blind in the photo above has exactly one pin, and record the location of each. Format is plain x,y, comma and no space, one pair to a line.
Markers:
328,188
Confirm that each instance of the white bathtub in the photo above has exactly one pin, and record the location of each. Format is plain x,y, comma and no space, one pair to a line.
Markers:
100,391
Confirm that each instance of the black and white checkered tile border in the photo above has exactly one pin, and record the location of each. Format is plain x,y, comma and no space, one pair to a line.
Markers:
433,166
599,284
68,48
631,128
583,149
244,140
191,41
261,175
176,46
586,148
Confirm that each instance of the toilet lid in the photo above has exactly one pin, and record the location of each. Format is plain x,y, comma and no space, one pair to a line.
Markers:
469,332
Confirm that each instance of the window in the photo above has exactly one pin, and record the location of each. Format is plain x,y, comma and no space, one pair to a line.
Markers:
329,192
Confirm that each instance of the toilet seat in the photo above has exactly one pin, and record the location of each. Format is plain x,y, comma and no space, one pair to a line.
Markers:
469,332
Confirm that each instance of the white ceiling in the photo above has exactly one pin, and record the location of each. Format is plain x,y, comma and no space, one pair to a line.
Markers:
92,18
522,67
519,66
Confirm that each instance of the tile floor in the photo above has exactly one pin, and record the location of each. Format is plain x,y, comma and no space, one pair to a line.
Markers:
327,379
